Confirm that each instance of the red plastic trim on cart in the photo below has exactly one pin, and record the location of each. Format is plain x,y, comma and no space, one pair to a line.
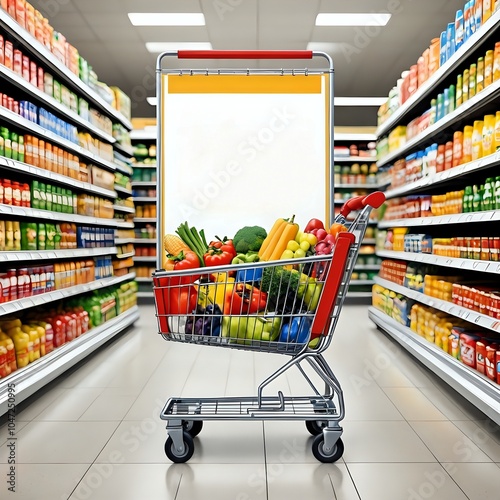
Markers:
375,200
332,284
244,54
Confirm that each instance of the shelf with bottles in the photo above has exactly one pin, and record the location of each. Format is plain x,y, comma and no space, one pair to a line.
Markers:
42,46
445,56
58,337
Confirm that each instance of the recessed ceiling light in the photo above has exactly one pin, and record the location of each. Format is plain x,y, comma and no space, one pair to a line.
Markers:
152,100
359,101
157,47
166,18
357,19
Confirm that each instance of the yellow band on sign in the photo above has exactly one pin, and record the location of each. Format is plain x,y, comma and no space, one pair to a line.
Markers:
244,84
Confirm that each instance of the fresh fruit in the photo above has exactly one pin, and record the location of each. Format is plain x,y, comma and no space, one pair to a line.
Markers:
305,246
287,254
337,228
293,246
283,231
310,238
299,253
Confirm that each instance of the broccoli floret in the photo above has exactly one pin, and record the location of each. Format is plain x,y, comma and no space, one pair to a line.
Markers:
249,239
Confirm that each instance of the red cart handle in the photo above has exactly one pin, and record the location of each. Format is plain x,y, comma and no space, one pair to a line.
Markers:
244,54
374,200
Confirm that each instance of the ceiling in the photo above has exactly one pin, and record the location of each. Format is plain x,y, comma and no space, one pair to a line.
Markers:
367,61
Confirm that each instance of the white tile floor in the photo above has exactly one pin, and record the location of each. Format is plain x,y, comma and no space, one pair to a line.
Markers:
96,434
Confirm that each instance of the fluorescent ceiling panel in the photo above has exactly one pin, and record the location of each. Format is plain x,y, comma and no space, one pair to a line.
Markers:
157,47
152,100
166,19
357,19
359,101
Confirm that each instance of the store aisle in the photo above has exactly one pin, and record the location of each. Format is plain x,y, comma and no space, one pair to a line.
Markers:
95,432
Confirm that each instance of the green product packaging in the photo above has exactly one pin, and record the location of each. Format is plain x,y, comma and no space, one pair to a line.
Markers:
14,140
35,194
467,200
42,237
21,148
488,202
451,97
57,237
2,144
43,196
48,202
7,147
57,91
64,195
497,193
28,236
50,231
59,199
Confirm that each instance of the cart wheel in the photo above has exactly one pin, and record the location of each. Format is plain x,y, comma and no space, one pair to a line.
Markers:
174,455
319,453
193,426
316,427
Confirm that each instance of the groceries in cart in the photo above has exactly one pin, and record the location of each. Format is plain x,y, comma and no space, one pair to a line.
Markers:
253,288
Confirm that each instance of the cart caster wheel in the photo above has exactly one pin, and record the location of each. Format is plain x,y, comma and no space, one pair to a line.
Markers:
319,453
193,426
315,427
174,455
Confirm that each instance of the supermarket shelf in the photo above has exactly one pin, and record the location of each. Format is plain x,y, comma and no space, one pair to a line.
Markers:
29,42
139,258
144,280
45,298
366,267
349,159
19,122
123,149
125,255
492,160
48,215
124,241
144,165
123,190
441,74
144,135
145,219
127,170
32,377
483,266
469,315
54,105
475,387
354,137
143,184
359,295
486,216
121,208
144,240
145,199
24,168
356,186
123,224
145,295
479,101
30,255
361,282
368,241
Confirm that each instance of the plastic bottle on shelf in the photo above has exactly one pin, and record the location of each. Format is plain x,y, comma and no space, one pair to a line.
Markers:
467,199
465,86
496,135
477,198
488,135
8,344
487,10
467,144
472,80
477,139
497,193
480,75
457,148
488,68
478,13
488,201
459,92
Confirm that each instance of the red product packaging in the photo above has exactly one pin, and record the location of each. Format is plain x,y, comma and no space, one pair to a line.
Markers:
71,329
3,4
11,8
2,48
40,78
30,19
17,64
26,68
33,73
480,356
21,12
489,361
59,331
468,349
9,55
49,338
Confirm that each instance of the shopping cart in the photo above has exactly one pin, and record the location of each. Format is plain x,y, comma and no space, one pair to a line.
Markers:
302,329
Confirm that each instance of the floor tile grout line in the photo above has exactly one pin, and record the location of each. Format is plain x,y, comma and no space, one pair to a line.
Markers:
178,487
333,487
352,479
78,483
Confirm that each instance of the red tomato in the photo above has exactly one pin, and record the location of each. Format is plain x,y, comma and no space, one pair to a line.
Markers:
314,224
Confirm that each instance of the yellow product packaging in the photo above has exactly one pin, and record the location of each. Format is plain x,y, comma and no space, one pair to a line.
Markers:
8,344
35,341
22,344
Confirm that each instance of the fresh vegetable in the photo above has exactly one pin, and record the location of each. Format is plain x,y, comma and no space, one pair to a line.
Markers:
195,240
337,228
277,281
180,300
220,253
243,299
206,321
275,244
173,245
312,295
297,331
180,262
314,224
253,328
249,239
214,291
246,258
